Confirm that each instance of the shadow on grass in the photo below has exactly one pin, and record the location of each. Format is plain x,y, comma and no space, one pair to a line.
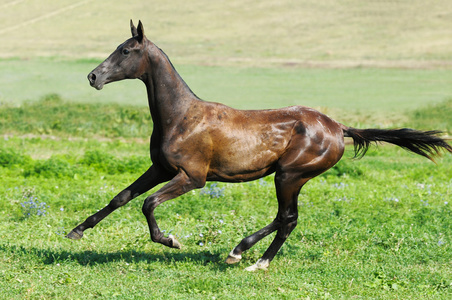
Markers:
50,256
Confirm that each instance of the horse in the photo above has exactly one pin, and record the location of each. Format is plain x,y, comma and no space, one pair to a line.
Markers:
195,141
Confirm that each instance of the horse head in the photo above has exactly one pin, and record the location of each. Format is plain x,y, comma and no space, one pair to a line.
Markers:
126,62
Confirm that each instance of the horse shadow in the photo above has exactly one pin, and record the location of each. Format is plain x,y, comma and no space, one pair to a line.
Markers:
212,260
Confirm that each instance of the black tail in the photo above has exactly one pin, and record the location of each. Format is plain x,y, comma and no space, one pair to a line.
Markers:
425,143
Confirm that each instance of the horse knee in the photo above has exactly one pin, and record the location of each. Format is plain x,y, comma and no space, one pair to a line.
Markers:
148,205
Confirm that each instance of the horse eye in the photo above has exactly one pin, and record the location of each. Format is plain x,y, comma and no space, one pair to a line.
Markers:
125,51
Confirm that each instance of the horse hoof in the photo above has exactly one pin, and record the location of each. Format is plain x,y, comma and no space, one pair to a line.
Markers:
174,243
262,264
74,235
233,259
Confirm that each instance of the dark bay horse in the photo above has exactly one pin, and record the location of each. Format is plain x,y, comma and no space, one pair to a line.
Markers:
195,141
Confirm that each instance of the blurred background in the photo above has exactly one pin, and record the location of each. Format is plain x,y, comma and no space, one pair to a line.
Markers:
307,33
377,55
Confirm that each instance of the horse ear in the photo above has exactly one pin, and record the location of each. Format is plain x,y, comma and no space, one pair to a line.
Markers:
140,31
133,29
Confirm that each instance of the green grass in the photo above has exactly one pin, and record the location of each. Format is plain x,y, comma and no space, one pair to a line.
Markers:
374,228
52,116
76,119
384,93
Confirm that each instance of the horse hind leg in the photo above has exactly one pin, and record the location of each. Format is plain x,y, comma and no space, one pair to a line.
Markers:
286,220
236,254
287,190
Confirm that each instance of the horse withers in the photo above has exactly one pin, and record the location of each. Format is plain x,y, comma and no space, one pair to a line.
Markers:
194,141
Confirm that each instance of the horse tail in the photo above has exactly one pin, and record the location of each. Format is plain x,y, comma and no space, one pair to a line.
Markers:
425,143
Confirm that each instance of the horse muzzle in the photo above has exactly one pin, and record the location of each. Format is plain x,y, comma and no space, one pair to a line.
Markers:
94,81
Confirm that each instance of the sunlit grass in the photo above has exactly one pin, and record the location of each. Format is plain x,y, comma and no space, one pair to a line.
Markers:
378,227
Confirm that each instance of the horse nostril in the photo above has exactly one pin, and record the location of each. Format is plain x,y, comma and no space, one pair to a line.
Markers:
92,78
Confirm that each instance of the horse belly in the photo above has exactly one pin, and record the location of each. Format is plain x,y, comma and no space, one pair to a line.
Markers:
246,159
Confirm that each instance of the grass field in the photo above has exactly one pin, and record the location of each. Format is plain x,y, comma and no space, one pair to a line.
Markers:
377,228
357,96
374,228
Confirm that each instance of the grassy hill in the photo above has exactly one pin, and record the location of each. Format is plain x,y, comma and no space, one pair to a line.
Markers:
254,33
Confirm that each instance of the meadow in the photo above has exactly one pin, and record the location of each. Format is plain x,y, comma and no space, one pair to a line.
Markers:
375,228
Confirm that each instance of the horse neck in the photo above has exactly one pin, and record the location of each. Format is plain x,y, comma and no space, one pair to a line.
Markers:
168,95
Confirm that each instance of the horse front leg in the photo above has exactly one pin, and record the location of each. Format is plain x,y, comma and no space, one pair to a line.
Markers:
180,184
152,177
